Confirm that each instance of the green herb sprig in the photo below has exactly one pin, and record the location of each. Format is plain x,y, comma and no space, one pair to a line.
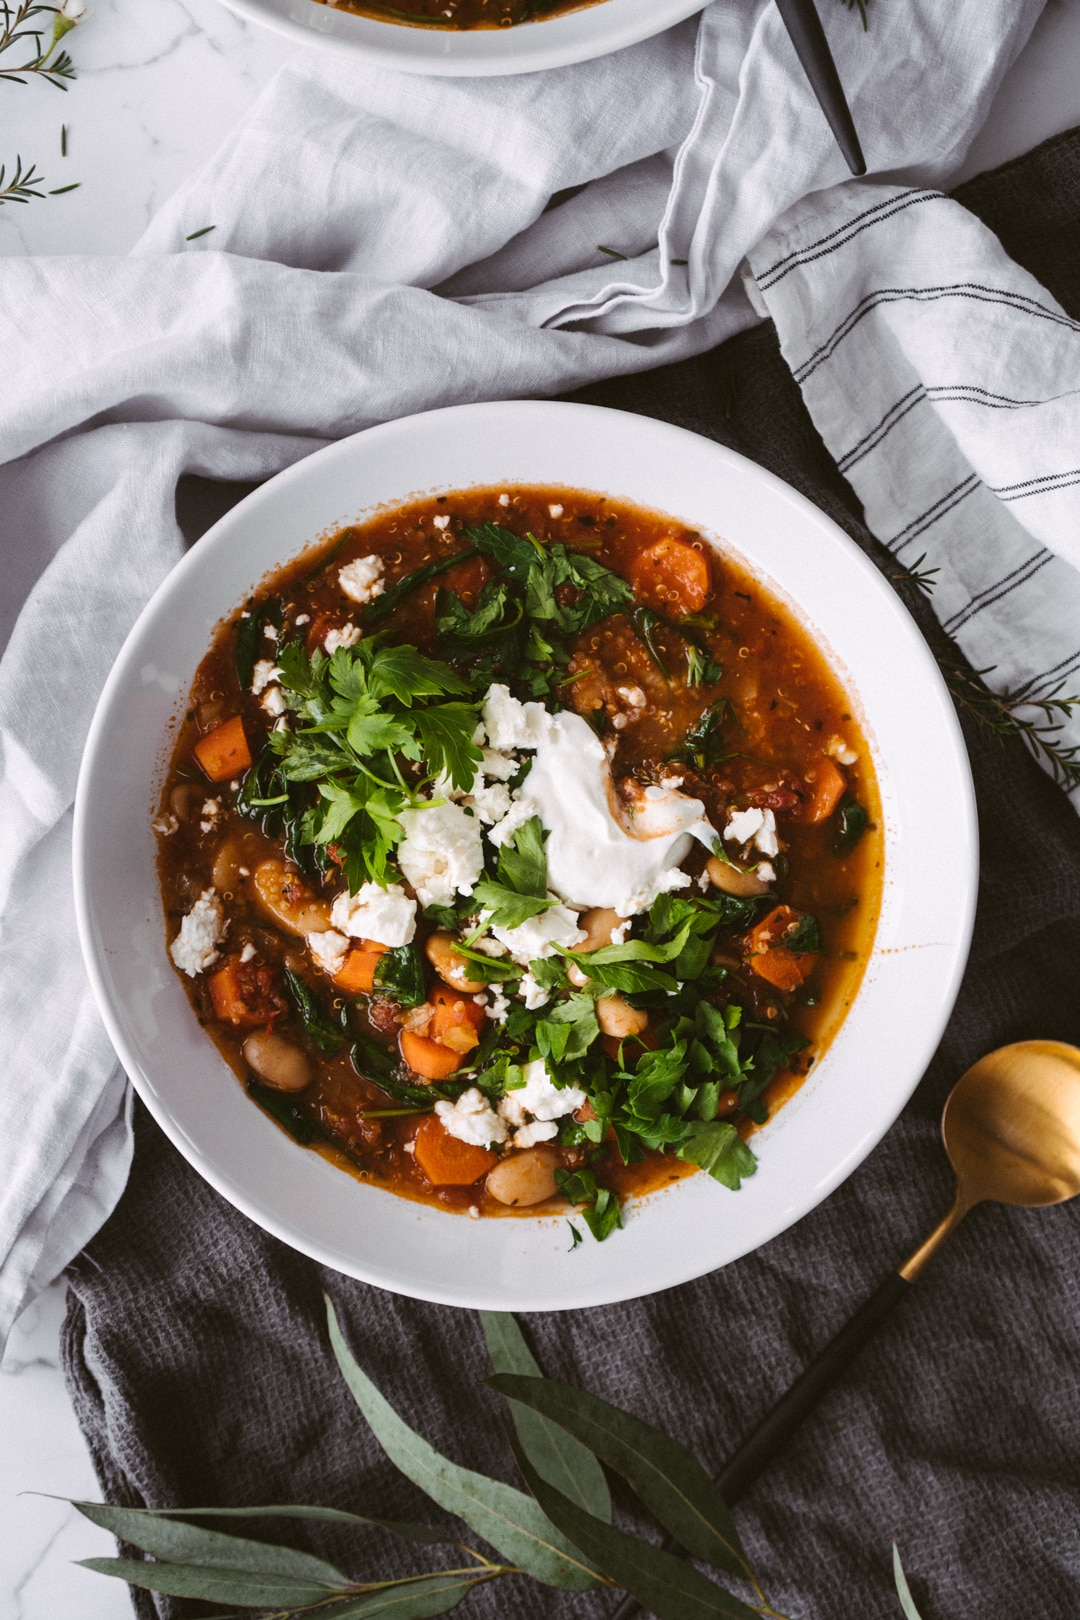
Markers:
353,718
25,24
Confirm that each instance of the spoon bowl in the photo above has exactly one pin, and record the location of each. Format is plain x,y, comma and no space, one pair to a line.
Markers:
1011,1126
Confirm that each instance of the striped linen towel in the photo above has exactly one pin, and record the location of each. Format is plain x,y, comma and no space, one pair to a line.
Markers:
945,381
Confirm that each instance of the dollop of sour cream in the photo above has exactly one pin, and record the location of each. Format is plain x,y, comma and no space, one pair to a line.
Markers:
597,854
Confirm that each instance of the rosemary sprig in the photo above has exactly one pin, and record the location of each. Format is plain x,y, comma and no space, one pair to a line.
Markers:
20,25
859,6
23,185
1038,721
924,579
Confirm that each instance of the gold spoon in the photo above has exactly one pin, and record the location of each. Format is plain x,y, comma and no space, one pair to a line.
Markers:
1011,1128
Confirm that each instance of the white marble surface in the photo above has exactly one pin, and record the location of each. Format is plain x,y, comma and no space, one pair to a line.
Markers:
159,86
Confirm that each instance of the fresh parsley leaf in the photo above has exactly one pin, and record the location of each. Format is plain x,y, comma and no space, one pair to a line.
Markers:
445,733
718,1148
700,669
522,861
508,908
406,674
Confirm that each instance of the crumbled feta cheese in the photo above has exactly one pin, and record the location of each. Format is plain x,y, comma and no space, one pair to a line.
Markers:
541,1098
273,701
618,935
264,673
520,811
840,750
540,1130
473,1212
504,500
555,510
642,899
195,947
490,947
210,811
753,826
249,953
632,695
270,632
165,825
442,852
362,579
618,722
243,871
497,1008
512,1108
387,915
765,872
442,521
329,950
500,767
471,1120
347,636
302,618
538,936
510,724
533,994
491,803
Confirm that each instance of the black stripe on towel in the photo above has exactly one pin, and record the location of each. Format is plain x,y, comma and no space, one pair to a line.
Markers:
843,234
1038,486
871,440
927,519
1001,588
971,291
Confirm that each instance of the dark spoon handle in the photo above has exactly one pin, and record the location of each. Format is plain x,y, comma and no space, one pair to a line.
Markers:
812,48
777,1427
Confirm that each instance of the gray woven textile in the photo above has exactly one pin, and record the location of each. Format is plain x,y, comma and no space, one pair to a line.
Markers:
195,1347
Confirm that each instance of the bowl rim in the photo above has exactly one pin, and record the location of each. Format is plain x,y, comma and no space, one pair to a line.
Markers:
613,1288
474,53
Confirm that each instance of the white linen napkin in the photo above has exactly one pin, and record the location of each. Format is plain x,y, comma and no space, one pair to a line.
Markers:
946,383
382,244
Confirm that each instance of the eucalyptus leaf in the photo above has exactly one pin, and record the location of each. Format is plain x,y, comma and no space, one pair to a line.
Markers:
427,1595
406,1528
243,1588
903,1590
667,1477
554,1453
505,1517
670,1588
191,1545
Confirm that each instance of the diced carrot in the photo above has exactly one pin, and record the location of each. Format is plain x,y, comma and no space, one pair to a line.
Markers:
783,969
356,975
772,960
224,752
452,1010
672,575
427,1058
240,997
827,787
447,1162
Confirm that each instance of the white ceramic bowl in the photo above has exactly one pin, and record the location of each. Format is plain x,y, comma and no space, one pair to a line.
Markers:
576,36
852,1095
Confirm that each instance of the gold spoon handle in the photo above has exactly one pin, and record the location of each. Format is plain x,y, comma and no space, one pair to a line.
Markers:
914,1266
